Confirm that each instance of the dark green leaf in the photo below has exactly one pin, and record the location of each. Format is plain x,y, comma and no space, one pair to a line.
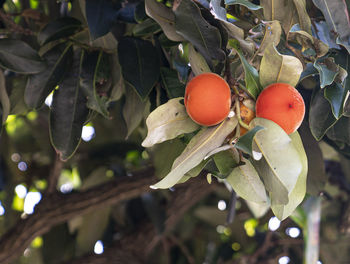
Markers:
40,85
245,143
100,15
88,82
68,111
321,117
343,59
18,56
193,27
327,75
140,64
226,161
59,28
147,27
340,132
309,71
335,94
252,82
245,3
171,82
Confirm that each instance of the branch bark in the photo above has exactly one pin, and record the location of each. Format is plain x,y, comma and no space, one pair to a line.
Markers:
57,208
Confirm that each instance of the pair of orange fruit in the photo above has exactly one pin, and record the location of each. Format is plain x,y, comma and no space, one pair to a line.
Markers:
208,102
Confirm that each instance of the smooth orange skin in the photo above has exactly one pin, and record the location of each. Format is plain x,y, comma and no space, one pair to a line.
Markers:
208,99
282,104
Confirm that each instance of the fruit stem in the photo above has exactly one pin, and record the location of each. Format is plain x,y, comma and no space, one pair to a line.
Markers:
238,112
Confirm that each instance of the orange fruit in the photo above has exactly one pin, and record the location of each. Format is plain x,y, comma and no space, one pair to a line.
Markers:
247,115
208,99
282,104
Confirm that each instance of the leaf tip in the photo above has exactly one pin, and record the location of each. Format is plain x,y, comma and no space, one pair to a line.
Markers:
153,187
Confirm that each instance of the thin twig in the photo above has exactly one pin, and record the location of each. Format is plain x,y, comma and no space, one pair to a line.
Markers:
54,175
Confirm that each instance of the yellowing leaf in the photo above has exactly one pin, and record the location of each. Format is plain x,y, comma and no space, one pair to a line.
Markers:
247,184
167,122
279,68
208,139
297,195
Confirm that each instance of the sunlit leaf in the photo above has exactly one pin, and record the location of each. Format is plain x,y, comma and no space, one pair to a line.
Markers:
258,209
167,122
246,182
279,68
245,3
296,196
200,145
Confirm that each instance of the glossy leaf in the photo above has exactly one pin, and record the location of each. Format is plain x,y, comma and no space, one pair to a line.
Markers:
279,152
197,61
193,27
4,100
18,56
88,81
327,70
296,196
167,122
40,85
134,109
252,82
245,142
140,64
246,182
100,16
337,18
245,3
207,139
335,94
171,83
321,117
68,112
164,17
279,68
59,28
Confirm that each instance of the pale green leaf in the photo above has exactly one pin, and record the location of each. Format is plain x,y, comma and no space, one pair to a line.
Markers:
197,61
167,122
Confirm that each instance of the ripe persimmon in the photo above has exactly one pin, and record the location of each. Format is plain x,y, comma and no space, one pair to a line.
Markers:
282,104
208,99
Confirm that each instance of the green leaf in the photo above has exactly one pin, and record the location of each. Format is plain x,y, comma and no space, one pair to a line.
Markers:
246,182
252,82
68,112
164,17
134,108
272,35
92,62
337,18
343,59
171,82
340,132
245,143
310,71
197,61
226,161
147,27
168,121
18,56
60,28
327,70
296,196
280,154
4,100
258,209
245,3
335,94
321,117
276,68
100,15
193,27
40,85
208,139
117,88
140,64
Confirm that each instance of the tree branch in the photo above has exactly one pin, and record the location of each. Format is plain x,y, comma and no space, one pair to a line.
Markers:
57,208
